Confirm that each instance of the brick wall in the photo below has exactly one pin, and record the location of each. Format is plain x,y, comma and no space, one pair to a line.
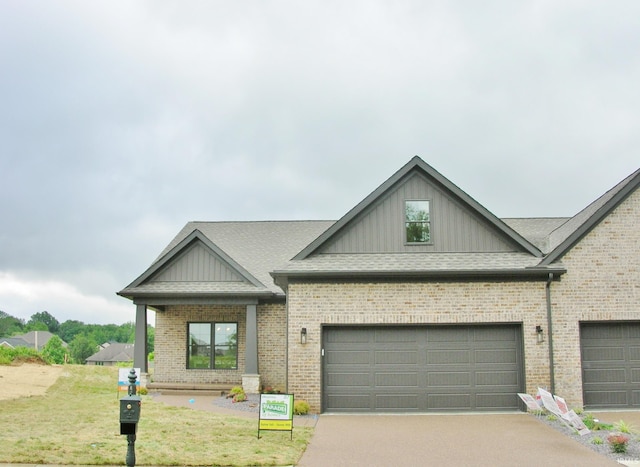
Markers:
602,283
171,344
312,305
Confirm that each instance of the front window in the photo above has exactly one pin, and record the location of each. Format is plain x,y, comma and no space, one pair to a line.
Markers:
213,346
417,222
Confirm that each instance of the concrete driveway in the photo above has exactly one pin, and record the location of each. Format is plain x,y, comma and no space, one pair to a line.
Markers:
443,440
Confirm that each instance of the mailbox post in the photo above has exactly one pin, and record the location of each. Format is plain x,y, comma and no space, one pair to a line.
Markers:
130,406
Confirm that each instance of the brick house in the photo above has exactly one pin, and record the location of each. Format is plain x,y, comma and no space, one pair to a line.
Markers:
418,299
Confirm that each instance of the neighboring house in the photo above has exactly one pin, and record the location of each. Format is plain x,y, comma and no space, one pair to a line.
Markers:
33,340
111,354
419,299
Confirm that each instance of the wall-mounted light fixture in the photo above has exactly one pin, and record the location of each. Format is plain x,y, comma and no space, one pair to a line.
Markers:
303,335
539,334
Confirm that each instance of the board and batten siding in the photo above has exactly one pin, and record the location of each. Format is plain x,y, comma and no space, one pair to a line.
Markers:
198,264
380,228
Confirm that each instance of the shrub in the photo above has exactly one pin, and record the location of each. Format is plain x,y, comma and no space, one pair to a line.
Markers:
236,390
618,442
301,407
239,397
20,355
623,427
597,440
594,424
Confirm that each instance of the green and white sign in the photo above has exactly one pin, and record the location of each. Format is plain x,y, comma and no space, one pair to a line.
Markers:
276,412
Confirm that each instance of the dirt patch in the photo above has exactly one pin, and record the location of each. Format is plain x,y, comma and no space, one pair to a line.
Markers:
27,380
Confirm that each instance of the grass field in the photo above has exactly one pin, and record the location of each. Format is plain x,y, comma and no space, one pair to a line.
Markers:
77,422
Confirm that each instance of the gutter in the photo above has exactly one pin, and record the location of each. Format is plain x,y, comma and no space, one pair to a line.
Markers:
552,376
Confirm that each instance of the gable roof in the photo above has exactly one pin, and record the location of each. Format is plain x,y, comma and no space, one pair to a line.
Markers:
115,352
567,235
13,342
416,164
250,249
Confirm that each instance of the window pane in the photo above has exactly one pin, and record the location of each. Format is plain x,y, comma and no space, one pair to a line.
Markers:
417,211
226,342
417,221
199,345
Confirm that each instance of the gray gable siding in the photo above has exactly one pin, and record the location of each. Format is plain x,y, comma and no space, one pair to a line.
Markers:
380,227
197,264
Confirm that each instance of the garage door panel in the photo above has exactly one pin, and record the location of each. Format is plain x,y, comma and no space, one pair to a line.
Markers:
397,401
449,378
604,354
634,353
397,380
496,356
391,357
348,357
604,375
351,402
348,379
497,378
492,334
447,335
424,368
635,375
607,398
449,357
392,336
447,401
495,401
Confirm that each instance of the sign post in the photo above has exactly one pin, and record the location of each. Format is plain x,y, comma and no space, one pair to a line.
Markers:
276,413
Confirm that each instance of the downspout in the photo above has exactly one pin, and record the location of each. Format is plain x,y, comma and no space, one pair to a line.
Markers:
550,333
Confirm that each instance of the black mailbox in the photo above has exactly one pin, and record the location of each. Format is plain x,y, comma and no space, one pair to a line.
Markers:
129,414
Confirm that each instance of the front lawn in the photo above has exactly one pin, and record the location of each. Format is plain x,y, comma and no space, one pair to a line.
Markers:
77,422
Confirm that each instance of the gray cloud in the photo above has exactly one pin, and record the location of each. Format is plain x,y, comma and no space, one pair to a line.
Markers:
120,123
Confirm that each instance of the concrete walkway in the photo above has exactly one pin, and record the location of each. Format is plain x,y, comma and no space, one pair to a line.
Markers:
443,440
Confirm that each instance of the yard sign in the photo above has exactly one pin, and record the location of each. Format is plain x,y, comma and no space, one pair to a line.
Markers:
276,413
123,378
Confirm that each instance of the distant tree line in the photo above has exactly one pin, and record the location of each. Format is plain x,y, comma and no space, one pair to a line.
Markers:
83,339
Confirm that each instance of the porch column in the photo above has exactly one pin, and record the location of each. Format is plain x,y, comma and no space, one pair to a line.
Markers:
251,378
251,351
140,349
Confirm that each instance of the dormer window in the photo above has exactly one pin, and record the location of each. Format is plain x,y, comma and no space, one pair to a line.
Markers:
417,221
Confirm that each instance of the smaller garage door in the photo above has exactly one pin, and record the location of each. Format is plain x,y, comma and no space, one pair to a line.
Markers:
610,365
422,368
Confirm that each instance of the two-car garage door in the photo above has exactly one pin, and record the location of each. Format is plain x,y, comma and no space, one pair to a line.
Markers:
422,368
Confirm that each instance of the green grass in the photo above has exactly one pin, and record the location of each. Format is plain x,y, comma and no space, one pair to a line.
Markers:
77,422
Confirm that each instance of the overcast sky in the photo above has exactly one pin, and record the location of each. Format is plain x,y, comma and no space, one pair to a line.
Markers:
122,121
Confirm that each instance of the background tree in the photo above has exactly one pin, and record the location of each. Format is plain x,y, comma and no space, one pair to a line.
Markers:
35,326
10,325
81,348
54,351
70,329
52,324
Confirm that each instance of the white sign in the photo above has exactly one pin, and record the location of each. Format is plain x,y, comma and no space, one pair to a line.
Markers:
123,378
549,402
530,401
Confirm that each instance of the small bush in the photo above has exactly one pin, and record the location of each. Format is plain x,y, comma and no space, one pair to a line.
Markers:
236,390
20,355
143,391
623,427
618,442
597,440
239,397
595,425
552,418
301,407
